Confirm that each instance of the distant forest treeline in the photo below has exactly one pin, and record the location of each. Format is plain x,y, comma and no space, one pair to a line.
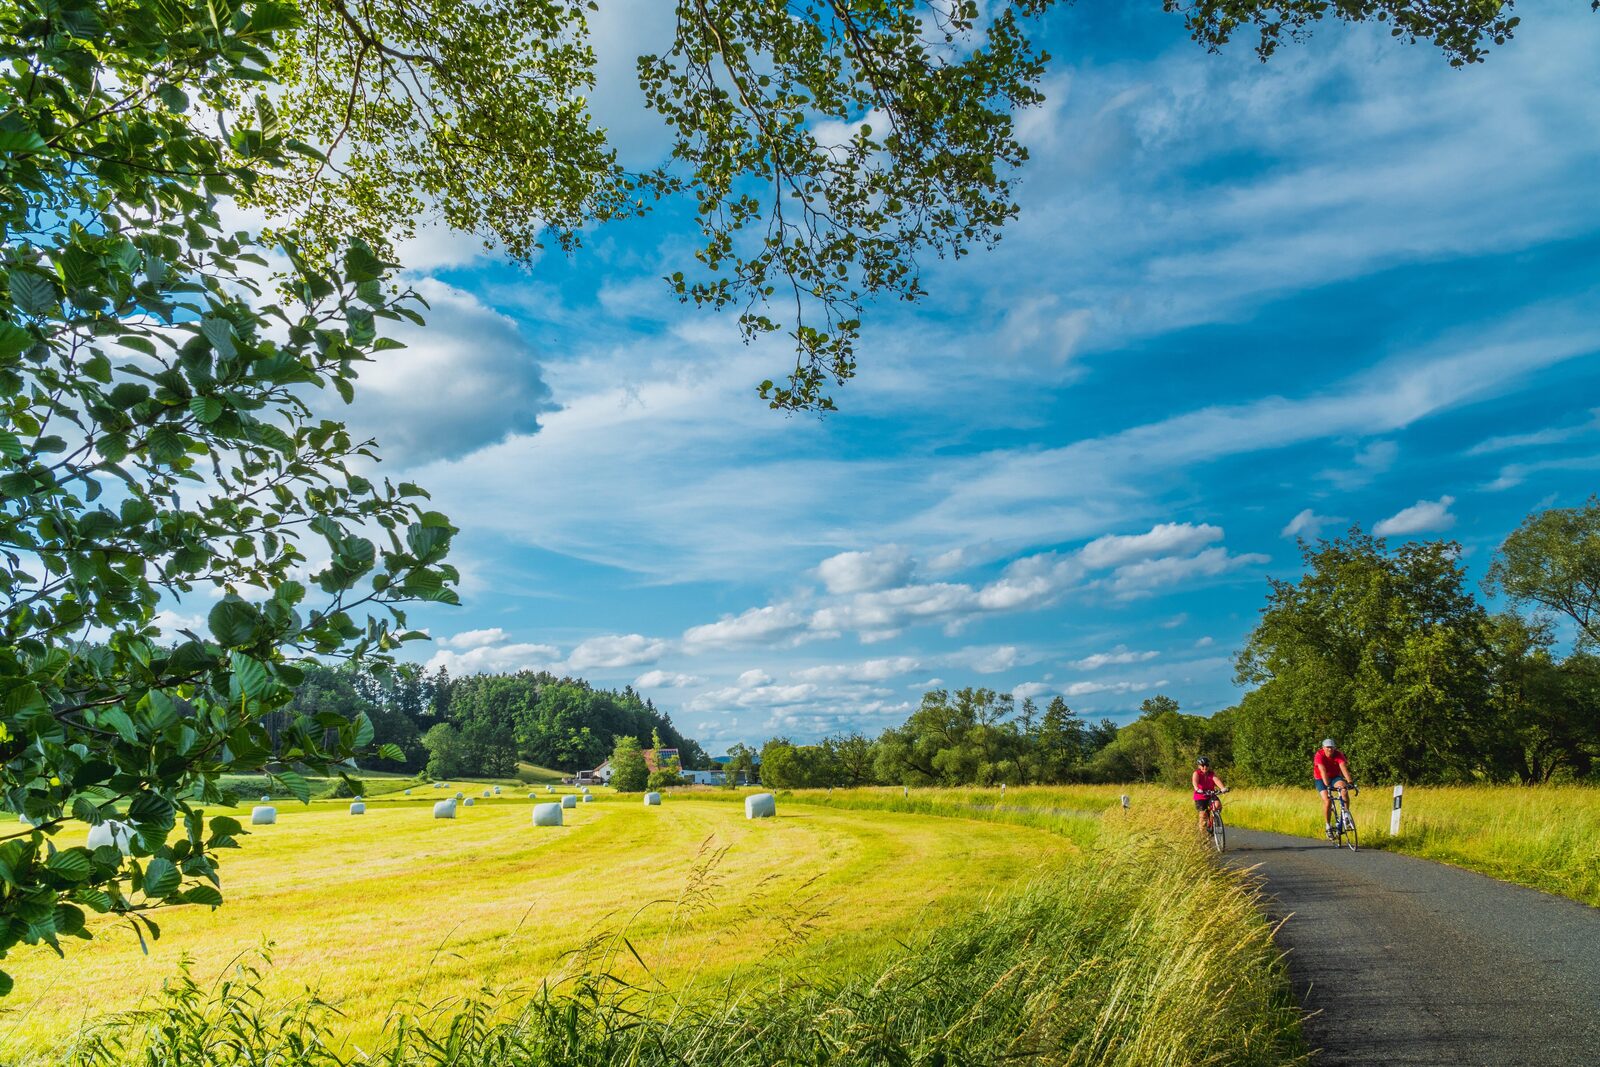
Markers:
484,724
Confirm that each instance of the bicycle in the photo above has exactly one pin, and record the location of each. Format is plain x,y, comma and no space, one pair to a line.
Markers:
1344,824
1214,824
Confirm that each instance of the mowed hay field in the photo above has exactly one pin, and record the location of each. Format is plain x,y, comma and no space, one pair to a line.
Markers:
395,906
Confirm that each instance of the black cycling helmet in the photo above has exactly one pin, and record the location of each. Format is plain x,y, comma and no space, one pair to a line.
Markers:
1203,762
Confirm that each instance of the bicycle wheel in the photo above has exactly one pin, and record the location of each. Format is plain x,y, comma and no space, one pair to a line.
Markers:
1348,835
1219,832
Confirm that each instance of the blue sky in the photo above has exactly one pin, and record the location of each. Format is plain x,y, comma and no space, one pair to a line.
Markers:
1241,302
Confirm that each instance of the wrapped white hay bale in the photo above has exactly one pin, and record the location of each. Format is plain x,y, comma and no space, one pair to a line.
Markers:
760,806
444,809
652,799
408,792
569,801
532,795
358,807
470,801
486,792
262,815
547,815
265,798
549,789
461,796
585,790
110,832
440,785
496,790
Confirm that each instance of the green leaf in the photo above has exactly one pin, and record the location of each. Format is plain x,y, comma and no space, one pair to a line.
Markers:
119,721
233,621
71,864
364,731
32,294
391,751
152,810
161,877
206,408
10,447
297,786
253,678
203,894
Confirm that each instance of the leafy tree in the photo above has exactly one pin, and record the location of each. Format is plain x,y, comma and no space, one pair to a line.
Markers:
853,756
953,739
1062,743
156,437
1382,650
448,756
741,761
664,778
629,774
1553,560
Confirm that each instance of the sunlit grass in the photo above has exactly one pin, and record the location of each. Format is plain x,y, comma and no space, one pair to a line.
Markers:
1547,837
395,906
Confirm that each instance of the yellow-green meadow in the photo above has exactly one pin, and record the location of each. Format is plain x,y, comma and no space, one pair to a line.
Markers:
395,905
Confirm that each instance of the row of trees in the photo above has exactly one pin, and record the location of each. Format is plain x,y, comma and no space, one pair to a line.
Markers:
483,724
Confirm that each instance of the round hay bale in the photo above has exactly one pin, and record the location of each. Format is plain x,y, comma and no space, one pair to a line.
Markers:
408,792
587,798
549,789
263,816
569,801
547,815
358,807
760,806
486,792
265,798
585,790
470,801
461,796
496,790
444,809
652,799
24,820
110,832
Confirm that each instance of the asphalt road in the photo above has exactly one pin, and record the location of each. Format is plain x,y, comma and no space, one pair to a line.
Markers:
1402,961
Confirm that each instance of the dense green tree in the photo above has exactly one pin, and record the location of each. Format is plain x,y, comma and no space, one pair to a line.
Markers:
853,758
448,756
1553,560
1062,742
951,739
629,774
1383,650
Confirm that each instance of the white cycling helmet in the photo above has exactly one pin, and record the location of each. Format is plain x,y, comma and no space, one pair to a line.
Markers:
1327,742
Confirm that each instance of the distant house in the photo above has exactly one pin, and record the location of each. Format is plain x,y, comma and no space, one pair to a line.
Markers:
744,776
655,757
707,777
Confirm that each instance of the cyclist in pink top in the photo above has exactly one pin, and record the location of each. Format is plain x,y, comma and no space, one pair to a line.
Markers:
1204,779
1329,771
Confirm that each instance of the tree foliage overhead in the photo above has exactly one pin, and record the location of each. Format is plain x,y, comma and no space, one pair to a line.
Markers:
1553,559
155,439
828,147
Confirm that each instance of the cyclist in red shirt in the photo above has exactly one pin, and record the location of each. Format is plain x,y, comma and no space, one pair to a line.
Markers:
1203,779
1329,771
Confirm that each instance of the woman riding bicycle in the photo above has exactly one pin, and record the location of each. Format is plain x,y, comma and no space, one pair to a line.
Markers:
1205,783
1330,771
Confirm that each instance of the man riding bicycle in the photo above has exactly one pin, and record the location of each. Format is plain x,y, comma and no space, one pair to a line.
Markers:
1205,784
1330,772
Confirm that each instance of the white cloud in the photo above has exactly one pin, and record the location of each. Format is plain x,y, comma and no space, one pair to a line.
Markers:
665,680
754,678
466,380
996,659
1080,689
1137,579
857,572
1205,642
1307,524
1421,517
496,659
1118,655
749,627
871,670
467,639
1165,539
616,650
1029,690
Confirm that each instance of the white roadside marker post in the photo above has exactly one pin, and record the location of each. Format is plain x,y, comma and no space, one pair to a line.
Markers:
1394,815
1124,802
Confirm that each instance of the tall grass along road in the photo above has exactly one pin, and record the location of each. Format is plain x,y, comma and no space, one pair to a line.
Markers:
1403,961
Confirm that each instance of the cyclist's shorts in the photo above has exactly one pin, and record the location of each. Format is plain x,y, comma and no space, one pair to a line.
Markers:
1202,803
1322,787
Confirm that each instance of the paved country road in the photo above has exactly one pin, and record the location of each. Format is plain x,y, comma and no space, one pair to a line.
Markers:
1403,961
